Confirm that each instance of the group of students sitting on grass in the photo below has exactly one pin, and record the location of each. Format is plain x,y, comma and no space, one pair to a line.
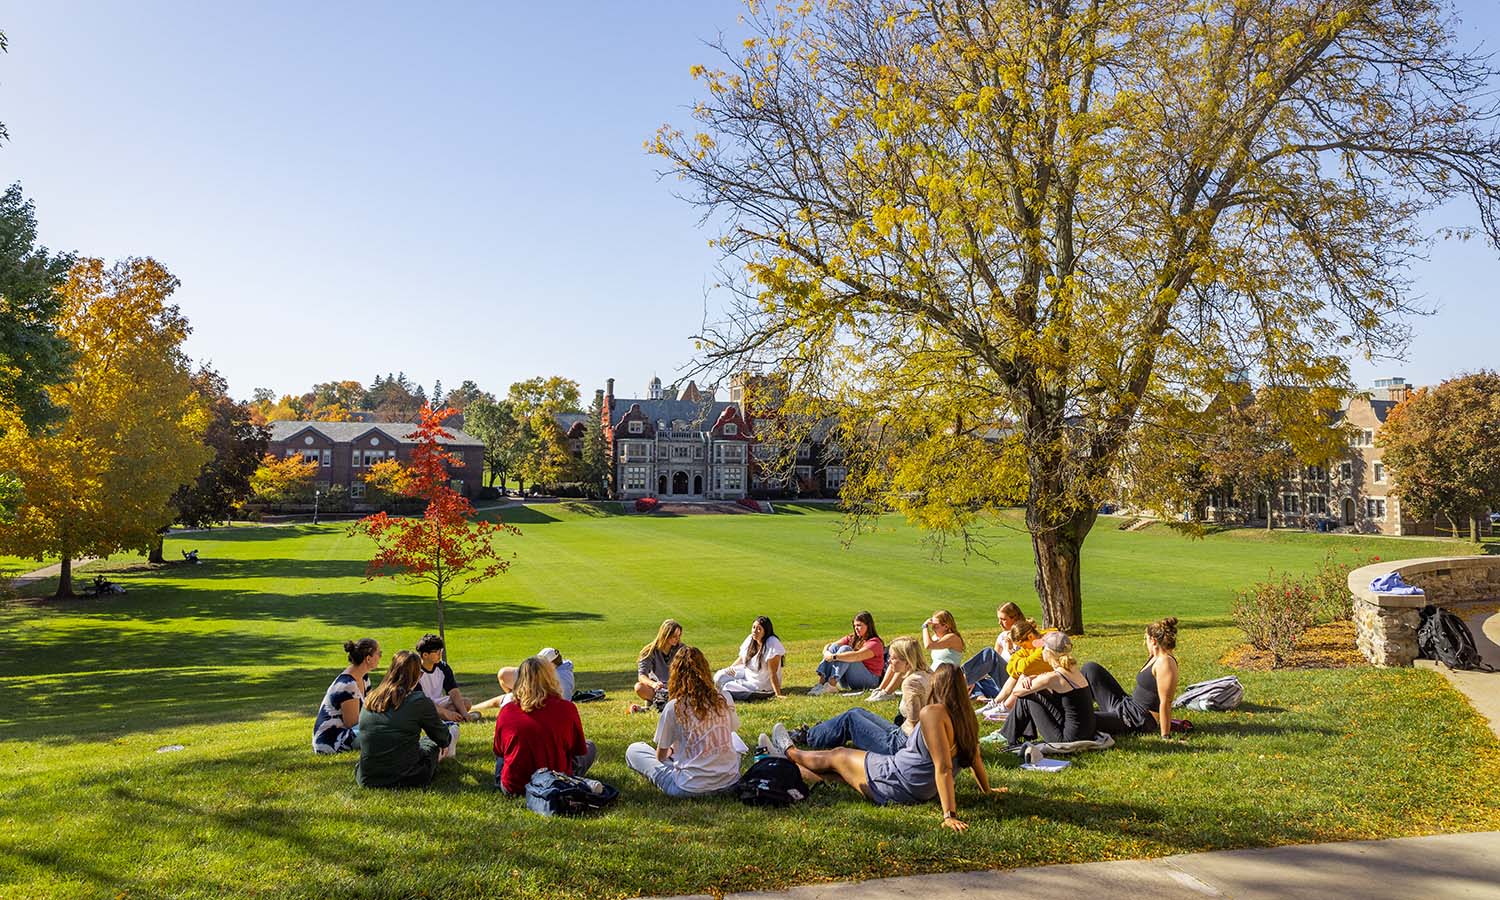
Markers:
1030,679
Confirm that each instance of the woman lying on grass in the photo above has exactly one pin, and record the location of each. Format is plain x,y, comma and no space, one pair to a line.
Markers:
946,735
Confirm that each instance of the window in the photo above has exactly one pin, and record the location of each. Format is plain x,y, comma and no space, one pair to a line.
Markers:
1367,438
731,428
729,452
804,451
354,459
1346,471
637,451
1374,508
679,452
1317,505
635,427
733,478
327,458
311,456
804,472
357,489
697,453
1379,473
1316,473
1289,504
635,478
834,476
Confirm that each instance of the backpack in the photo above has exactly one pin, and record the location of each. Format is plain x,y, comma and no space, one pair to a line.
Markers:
555,794
1444,637
589,696
772,781
750,696
1214,695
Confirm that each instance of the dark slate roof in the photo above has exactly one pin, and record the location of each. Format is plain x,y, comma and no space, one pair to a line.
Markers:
346,432
699,416
1382,409
567,420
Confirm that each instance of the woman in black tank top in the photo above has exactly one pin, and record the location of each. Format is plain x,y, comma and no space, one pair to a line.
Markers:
1149,706
1056,706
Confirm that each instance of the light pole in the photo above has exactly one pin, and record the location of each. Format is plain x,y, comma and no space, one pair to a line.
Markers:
316,493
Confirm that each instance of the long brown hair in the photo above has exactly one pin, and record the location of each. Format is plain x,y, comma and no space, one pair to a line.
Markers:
663,634
1024,630
1164,633
400,678
692,683
949,689
869,620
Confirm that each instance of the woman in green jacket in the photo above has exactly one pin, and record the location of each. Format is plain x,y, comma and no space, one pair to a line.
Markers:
393,751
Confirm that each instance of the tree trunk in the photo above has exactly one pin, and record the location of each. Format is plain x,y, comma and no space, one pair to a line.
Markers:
155,555
1474,528
65,579
442,633
1059,582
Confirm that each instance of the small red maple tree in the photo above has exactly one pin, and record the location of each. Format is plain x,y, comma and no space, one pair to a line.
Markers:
445,548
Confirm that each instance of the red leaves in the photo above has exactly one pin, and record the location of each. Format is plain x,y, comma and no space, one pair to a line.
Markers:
444,546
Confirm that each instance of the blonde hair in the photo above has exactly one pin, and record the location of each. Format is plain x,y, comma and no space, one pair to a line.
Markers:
536,680
945,619
663,634
1009,610
909,650
1064,661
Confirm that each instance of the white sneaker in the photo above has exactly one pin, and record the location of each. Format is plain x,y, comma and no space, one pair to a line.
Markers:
877,695
819,690
781,740
763,745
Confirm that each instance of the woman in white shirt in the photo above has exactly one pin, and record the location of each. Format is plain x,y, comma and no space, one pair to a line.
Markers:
758,668
697,751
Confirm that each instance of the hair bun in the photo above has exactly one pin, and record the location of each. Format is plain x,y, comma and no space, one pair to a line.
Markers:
1169,623
349,646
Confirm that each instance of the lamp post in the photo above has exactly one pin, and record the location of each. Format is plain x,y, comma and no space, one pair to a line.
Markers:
316,493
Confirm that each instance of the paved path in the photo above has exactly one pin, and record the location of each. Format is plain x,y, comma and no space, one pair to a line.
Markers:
1448,865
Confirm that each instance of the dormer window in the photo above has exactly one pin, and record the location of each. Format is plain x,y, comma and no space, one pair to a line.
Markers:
731,428
635,427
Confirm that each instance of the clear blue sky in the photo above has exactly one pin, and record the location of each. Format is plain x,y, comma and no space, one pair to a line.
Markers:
457,191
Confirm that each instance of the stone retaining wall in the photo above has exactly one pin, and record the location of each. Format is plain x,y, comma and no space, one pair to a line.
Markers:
1385,625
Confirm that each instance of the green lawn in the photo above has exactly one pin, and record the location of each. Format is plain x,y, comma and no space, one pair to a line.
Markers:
229,659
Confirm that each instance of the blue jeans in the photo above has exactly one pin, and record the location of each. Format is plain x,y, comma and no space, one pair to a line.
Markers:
985,670
852,675
857,726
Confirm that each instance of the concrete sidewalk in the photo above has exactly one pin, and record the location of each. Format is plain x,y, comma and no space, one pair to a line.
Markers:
1446,865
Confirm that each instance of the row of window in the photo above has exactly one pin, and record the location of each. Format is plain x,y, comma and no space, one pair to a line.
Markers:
1317,505
636,426
1346,471
325,457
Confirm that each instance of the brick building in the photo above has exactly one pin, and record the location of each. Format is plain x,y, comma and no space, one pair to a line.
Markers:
344,451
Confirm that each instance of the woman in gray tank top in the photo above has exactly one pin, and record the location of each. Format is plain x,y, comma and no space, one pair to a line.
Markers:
946,736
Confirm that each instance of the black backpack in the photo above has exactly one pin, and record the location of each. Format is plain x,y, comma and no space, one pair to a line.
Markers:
772,781
1444,637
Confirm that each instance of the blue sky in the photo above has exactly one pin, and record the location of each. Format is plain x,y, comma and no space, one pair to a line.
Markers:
348,189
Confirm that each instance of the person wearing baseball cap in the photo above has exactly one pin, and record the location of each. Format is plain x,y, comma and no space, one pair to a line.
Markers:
1056,706
507,678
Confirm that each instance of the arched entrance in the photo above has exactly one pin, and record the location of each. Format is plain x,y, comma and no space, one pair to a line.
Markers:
661,484
679,483
697,484
1348,511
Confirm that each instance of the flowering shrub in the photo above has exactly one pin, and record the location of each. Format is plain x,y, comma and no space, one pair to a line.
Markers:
749,504
1274,614
1330,584
646,504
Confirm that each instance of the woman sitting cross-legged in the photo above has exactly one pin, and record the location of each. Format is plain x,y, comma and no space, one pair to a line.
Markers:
540,729
336,728
697,751
757,670
1057,706
1148,707
865,730
985,670
855,661
946,735
654,665
393,749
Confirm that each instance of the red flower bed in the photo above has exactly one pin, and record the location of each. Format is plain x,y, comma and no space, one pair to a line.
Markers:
646,504
748,504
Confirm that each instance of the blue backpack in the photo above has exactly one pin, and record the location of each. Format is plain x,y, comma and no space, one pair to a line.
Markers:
555,794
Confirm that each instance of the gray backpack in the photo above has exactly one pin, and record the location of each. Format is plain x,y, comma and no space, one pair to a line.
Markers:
1214,695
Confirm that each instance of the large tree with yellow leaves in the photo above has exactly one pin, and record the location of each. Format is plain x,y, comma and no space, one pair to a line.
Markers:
1007,234
102,482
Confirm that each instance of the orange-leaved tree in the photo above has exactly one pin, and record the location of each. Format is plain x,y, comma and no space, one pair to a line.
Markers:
445,548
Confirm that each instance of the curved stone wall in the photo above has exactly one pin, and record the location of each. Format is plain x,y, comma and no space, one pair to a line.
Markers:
1385,625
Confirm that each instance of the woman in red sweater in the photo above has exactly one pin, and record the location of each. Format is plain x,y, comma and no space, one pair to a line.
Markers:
540,730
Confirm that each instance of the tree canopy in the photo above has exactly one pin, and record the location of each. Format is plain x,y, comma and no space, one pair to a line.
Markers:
33,355
1442,445
982,221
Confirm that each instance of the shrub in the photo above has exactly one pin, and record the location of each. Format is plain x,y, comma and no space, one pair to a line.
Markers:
1330,583
575,489
748,504
335,499
489,493
1274,614
647,504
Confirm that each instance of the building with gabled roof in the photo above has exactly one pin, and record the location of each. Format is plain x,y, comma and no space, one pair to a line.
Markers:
344,451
